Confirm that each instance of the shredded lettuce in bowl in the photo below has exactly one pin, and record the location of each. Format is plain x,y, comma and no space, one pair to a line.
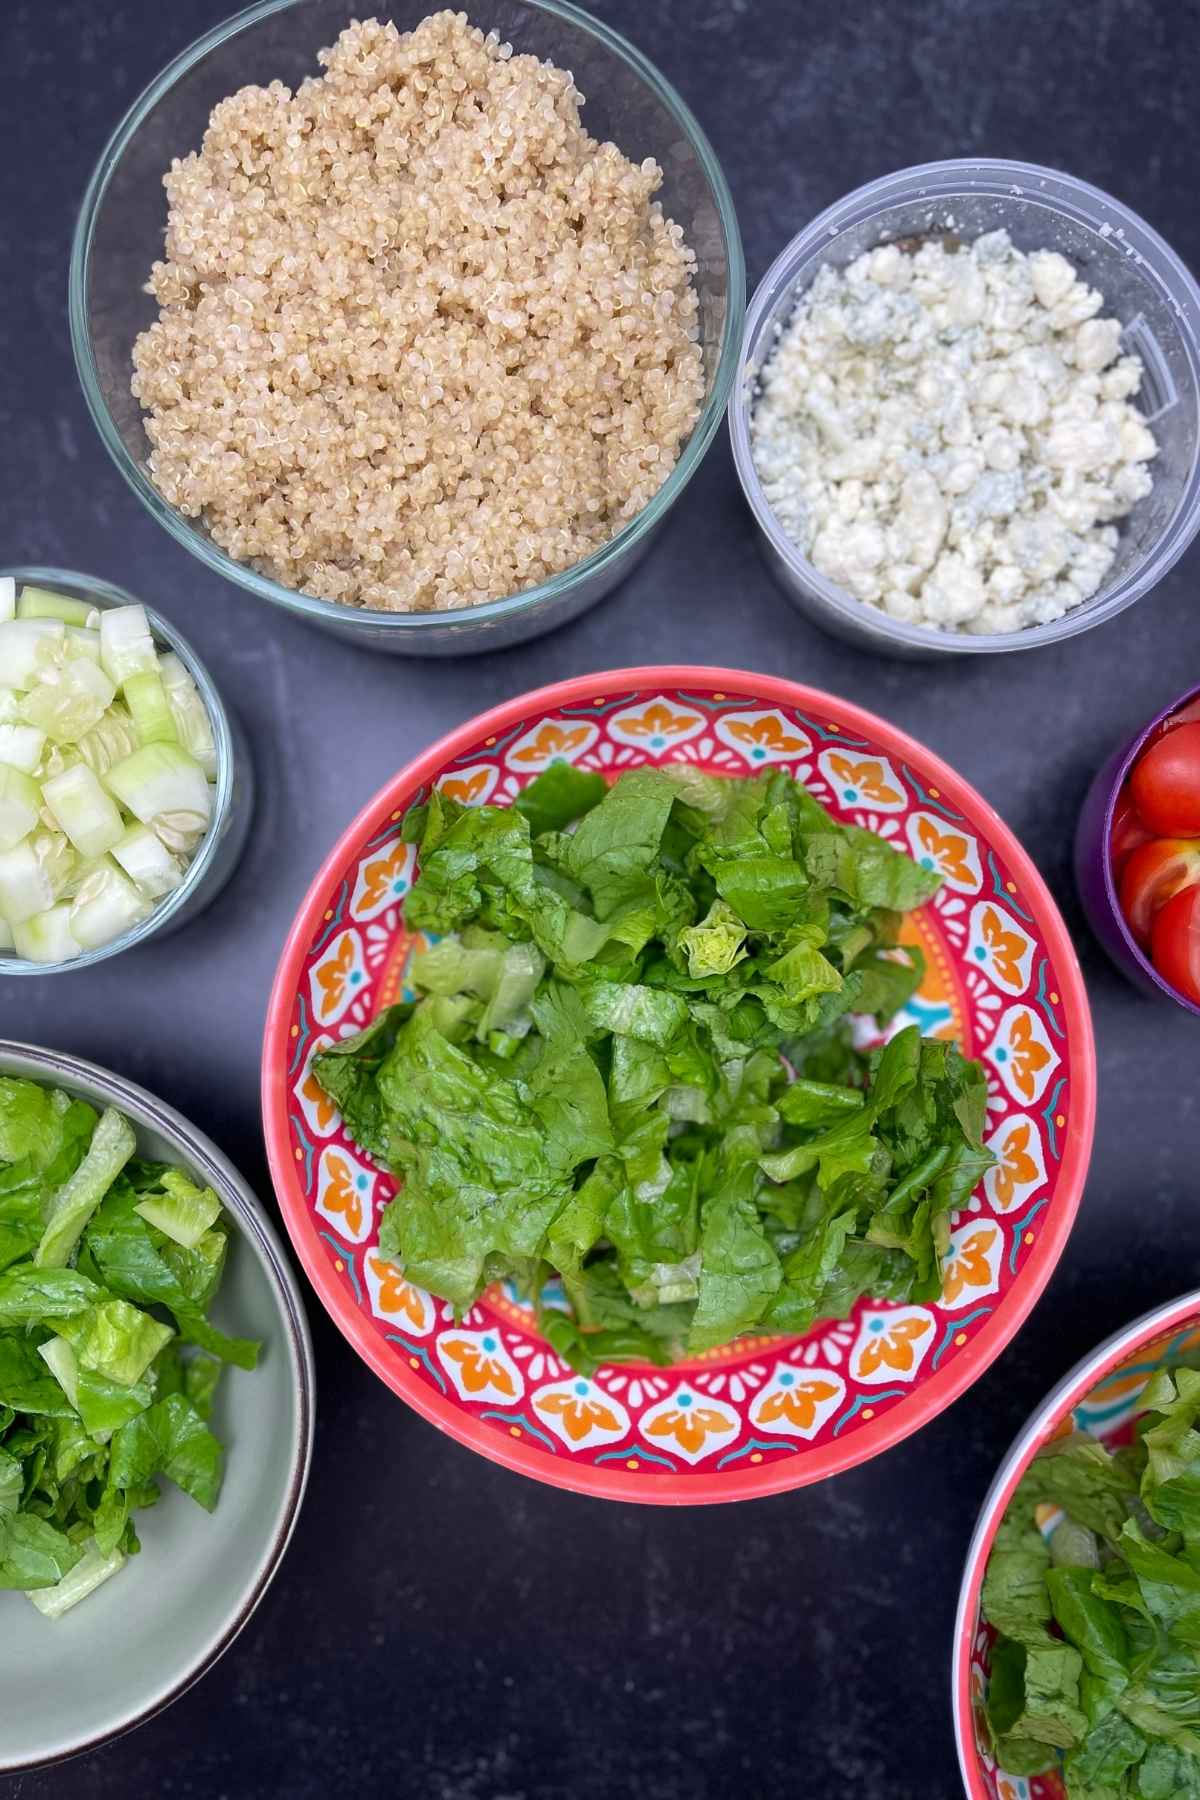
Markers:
108,1359
1093,1587
631,1063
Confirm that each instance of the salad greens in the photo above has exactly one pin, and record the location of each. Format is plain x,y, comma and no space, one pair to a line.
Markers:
1096,1668
108,1360
631,1063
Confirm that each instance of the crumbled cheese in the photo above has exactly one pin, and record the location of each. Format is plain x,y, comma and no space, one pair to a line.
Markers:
948,435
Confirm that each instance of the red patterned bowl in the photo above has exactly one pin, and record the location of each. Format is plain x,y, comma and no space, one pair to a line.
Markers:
764,1414
1101,1395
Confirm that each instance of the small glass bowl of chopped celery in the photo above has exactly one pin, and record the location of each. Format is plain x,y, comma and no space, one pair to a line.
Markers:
1143,285
125,785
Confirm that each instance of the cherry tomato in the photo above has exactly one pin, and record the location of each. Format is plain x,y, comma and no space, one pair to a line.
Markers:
1152,874
1165,783
1176,943
1187,715
1127,831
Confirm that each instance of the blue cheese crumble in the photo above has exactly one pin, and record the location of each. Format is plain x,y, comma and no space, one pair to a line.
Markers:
949,435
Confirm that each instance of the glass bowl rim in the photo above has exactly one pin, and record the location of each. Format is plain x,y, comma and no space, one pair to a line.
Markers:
112,595
332,611
995,176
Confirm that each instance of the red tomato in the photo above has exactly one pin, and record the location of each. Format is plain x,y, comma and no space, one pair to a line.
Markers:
1127,831
1176,943
1153,873
1187,715
1165,783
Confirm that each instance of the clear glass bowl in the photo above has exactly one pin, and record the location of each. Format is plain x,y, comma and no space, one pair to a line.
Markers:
233,801
120,234
1144,285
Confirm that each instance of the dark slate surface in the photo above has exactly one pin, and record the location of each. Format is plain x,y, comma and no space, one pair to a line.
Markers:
441,1627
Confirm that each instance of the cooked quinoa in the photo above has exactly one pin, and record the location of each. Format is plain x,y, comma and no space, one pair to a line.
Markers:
422,342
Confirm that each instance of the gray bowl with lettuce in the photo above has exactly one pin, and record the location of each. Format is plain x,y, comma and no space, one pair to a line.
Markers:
156,1405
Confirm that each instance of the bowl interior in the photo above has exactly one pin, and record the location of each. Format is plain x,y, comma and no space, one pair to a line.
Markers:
765,1413
146,1635
1102,1397
124,216
1143,285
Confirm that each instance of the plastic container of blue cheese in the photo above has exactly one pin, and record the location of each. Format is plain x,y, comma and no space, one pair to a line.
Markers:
1144,285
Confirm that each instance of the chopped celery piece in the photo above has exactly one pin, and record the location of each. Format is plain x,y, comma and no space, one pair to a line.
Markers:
25,886
69,699
110,741
161,779
41,603
20,646
126,647
47,937
112,1145
191,715
185,1212
87,813
105,905
21,746
147,862
89,1573
150,710
8,597
81,642
20,804
57,859
60,1359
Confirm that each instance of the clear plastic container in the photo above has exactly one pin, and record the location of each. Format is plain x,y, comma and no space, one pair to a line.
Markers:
1144,285
233,799
120,234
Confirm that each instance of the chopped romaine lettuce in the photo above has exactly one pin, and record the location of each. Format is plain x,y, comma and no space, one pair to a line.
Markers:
630,1062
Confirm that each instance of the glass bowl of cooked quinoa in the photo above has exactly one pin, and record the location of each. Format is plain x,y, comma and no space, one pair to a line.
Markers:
968,415
416,325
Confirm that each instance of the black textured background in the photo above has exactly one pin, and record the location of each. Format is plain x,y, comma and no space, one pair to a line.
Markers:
442,1628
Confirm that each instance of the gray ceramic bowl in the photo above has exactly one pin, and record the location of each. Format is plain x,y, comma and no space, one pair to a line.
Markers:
1094,870
143,1638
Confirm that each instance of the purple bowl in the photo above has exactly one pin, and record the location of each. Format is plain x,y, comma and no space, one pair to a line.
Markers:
1093,864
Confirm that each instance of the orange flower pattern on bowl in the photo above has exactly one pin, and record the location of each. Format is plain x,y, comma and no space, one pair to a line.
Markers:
1023,1054
554,740
862,782
972,1265
338,979
580,1413
655,725
470,787
397,1300
479,1366
797,1401
1020,1168
891,1346
763,737
998,945
346,1194
691,1425
952,852
383,880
